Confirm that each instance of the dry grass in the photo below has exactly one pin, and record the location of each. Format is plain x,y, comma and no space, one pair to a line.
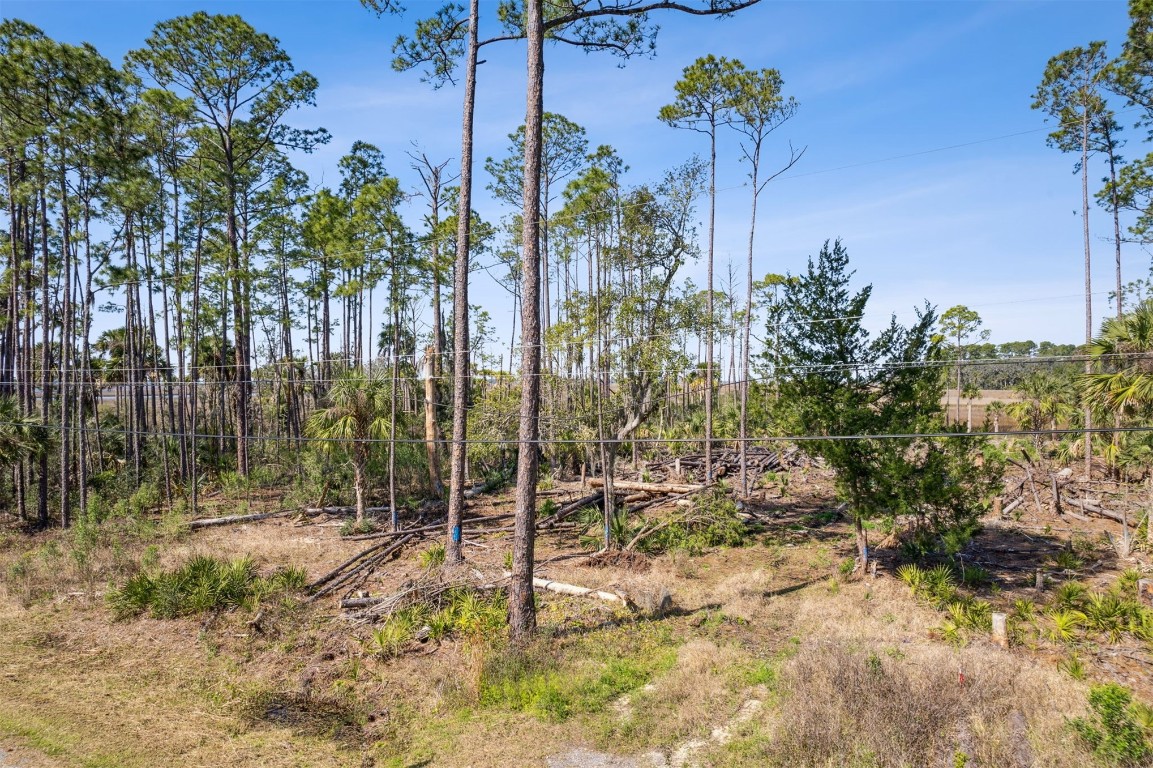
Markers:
866,686
744,595
849,675
925,706
142,695
683,703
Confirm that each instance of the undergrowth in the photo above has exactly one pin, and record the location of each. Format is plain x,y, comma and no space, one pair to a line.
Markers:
1115,732
712,521
200,585
1074,612
460,611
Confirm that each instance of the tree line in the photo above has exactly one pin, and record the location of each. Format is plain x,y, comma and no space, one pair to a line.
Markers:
267,330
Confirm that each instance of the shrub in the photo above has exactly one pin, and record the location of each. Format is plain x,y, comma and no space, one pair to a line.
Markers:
431,558
202,584
1113,732
714,522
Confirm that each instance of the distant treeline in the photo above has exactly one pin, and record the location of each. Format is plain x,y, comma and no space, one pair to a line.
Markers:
1004,366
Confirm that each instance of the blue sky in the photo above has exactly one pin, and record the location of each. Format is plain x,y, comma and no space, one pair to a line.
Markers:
923,153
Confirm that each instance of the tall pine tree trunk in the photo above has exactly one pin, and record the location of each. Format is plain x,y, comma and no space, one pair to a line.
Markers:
460,357
522,608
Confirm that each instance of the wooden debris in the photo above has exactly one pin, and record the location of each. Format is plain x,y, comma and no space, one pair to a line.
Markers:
1095,508
570,509
342,510
628,485
233,519
424,528
572,589
347,571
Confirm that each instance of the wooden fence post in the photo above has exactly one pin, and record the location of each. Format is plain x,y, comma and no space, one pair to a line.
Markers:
1000,630
1145,592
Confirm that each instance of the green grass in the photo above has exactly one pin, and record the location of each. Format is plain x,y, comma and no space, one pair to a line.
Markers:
43,738
555,683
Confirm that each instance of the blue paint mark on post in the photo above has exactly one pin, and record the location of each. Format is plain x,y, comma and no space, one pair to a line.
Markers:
456,534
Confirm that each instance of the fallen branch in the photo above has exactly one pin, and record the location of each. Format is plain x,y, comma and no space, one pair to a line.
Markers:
341,510
569,509
628,485
371,562
1096,509
347,563
233,519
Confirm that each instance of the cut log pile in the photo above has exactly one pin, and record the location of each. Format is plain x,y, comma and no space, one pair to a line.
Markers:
727,463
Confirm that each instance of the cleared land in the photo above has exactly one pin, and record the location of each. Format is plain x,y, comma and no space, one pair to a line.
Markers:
770,654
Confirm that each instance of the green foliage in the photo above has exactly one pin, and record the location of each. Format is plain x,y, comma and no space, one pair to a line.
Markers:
713,522
461,612
1070,595
1113,732
355,420
1073,667
20,436
431,558
1122,386
1107,614
975,576
1067,560
354,527
841,382
913,576
1064,624
201,584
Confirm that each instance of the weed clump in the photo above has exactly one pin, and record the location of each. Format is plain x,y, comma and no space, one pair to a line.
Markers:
202,584
457,611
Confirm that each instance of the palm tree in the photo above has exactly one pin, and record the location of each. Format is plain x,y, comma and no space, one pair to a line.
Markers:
21,436
1123,384
1048,399
357,415
1126,347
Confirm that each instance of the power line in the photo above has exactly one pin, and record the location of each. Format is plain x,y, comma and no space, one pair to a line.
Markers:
595,441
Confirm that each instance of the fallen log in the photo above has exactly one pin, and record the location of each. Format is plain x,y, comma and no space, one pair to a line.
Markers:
571,589
1013,505
663,500
232,519
361,602
342,510
422,529
1033,487
570,508
628,485
1096,509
